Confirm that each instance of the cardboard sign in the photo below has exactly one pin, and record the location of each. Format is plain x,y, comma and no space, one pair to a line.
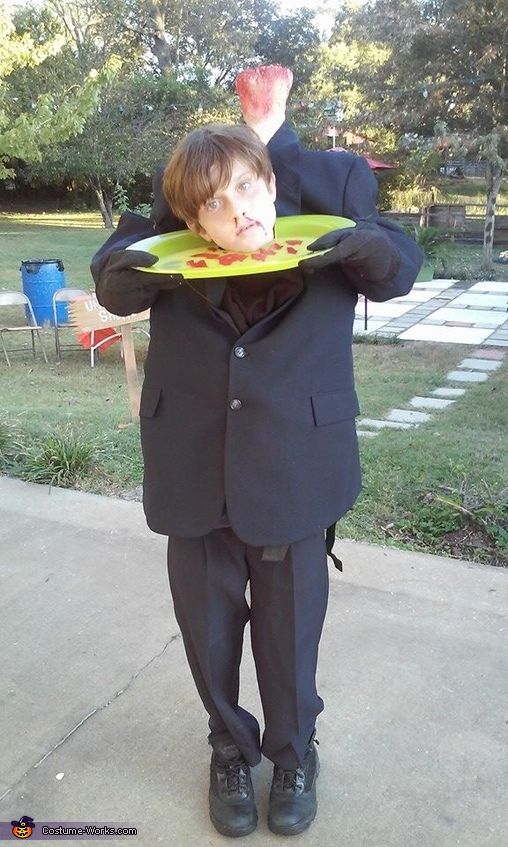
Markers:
88,314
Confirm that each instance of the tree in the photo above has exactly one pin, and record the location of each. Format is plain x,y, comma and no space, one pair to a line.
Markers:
135,127
96,31
486,147
212,41
282,39
49,117
456,53
189,39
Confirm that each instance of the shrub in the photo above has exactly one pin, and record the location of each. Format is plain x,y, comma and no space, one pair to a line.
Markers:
59,459
430,238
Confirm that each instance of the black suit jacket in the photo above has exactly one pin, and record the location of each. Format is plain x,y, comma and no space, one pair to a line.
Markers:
263,421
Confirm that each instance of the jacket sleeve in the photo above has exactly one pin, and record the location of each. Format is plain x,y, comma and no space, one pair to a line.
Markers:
285,154
132,228
360,195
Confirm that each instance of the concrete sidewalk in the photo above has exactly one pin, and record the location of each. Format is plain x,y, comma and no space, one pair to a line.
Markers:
101,721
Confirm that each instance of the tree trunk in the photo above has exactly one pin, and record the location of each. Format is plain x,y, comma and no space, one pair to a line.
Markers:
494,177
160,46
105,203
108,202
495,169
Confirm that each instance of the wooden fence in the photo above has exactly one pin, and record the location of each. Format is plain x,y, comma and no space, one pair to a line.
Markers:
464,221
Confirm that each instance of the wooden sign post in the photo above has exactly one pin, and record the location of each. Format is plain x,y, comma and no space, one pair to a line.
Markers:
131,371
87,314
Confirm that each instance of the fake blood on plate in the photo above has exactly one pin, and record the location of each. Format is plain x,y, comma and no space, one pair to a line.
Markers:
205,259
229,258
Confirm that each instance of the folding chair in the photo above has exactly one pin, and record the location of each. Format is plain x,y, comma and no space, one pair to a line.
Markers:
64,295
16,298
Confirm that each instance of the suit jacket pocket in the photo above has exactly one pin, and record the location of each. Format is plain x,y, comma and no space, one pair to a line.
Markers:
149,401
335,406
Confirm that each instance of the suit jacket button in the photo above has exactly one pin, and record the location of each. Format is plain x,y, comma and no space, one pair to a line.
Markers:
235,404
240,352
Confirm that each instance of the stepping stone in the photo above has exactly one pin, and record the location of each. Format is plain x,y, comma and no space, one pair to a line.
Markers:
449,392
454,314
479,364
366,433
494,286
496,355
448,334
408,417
429,403
484,301
467,376
376,424
438,282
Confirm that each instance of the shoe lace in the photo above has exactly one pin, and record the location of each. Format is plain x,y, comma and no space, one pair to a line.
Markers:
236,776
293,780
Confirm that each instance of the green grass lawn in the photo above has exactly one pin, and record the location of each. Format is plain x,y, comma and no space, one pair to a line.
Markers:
461,456
462,453
469,190
74,238
463,261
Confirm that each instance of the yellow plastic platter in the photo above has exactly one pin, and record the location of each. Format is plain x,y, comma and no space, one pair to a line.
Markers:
187,254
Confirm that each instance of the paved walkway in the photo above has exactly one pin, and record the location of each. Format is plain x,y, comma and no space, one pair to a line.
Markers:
442,310
100,720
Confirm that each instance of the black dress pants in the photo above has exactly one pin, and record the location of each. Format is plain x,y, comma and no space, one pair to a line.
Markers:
208,577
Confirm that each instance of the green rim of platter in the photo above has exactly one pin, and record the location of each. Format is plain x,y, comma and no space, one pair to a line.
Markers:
175,250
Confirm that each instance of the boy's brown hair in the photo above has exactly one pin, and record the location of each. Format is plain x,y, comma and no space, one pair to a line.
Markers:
203,162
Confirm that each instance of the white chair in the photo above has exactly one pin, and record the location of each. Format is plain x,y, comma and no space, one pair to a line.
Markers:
13,299
65,295
96,346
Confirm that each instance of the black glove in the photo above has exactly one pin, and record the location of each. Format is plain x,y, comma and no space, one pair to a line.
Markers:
364,250
118,274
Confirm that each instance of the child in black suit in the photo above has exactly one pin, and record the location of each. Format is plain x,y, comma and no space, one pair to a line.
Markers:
247,424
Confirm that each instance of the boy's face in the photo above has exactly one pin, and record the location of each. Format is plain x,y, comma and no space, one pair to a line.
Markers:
241,215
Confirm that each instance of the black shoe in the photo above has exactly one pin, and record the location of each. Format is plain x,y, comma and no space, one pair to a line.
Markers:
293,803
232,807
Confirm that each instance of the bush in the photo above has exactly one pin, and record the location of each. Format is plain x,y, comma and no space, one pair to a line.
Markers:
430,238
59,459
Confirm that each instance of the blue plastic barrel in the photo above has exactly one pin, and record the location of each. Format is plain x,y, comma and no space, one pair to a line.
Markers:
41,278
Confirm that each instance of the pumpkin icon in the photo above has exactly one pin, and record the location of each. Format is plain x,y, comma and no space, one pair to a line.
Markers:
23,828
